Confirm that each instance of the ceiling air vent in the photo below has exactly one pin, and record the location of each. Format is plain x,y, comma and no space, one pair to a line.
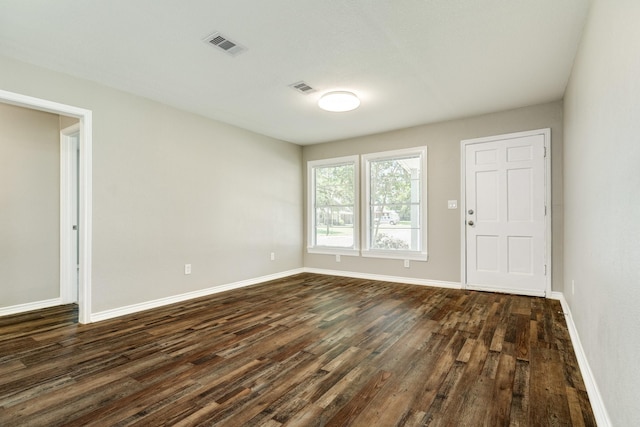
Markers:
223,43
302,87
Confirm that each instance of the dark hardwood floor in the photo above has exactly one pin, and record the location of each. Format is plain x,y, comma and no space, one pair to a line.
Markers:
308,350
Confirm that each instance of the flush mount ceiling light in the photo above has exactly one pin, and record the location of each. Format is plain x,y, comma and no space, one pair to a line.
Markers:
339,101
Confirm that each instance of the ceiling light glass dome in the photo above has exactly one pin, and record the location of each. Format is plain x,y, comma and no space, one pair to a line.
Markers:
339,101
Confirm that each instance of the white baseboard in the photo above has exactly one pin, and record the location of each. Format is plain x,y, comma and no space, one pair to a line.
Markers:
134,308
595,398
37,305
383,278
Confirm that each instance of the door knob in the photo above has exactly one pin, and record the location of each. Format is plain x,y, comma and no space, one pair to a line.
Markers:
470,223
470,211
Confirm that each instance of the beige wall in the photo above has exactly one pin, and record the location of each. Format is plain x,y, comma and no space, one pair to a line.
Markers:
443,145
29,206
65,121
170,188
602,195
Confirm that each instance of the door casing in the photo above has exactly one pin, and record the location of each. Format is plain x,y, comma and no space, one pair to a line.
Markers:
69,173
546,132
85,193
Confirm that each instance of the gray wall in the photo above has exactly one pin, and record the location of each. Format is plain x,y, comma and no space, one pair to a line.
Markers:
443,146
29,206
602,196
65,121
171,188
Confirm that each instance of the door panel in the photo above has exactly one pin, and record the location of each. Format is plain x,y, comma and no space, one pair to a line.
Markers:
505,218
487,253
519,188
520,255
487,206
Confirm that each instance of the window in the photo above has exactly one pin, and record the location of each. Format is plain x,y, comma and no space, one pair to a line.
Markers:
333,206
395,204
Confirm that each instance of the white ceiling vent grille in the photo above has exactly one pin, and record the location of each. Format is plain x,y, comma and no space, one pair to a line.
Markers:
302,87
223,43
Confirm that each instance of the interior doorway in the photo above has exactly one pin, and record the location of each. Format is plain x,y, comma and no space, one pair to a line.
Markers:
81,167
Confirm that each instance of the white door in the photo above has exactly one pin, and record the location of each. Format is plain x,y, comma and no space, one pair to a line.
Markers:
69,214
505,215
75,215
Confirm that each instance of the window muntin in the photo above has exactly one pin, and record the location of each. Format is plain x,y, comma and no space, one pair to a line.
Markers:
333,208
395,204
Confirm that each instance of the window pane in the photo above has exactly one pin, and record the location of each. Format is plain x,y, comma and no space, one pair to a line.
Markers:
395,209
334,185
334,205
391,180
334,227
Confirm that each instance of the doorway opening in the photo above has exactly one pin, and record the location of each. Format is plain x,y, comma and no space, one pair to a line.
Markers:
76,163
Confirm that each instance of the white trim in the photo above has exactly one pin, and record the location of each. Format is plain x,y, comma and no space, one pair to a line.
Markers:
391,254
68,277
463,215
385,278
595,398
30,306
85,218
134,308
85,202
327,250
548,201
311,201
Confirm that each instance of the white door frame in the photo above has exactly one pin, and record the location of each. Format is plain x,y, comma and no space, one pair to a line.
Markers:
68,209
85,178
547,185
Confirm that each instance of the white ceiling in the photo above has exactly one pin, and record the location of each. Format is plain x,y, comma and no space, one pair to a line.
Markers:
411,62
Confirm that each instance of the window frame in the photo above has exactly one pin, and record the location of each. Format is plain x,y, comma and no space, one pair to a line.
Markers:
421,254
312,246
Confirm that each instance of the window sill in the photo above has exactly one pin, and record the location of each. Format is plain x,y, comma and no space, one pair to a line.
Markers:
412,256
333,251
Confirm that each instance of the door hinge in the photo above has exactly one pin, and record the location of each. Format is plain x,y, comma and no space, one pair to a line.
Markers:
545,151
545,210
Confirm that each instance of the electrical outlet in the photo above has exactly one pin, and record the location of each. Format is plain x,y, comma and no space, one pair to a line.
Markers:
337,257
187,269
407,263
273,256
452,204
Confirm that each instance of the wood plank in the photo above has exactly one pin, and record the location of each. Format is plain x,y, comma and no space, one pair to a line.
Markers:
500,410
306,350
